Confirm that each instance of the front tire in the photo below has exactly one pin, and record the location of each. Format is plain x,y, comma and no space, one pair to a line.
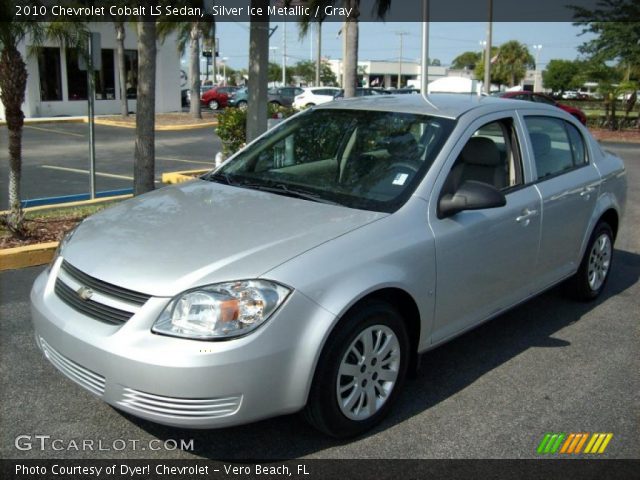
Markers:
591,277
361,371
214,105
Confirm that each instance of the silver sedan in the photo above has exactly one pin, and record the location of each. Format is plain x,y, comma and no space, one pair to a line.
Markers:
311,270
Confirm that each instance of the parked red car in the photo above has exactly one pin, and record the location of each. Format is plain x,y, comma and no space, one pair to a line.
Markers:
215,98
540,98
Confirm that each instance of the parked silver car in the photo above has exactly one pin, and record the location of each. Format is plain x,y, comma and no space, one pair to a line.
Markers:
311,269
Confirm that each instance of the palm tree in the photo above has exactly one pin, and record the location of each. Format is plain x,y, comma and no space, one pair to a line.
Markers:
513,60
351,32
191,33
144,166
258,72
13,84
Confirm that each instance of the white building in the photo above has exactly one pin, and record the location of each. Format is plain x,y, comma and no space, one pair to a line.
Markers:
384,74
57,87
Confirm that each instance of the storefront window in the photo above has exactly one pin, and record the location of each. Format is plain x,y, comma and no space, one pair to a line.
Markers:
105,77
49,71
76,78
131,71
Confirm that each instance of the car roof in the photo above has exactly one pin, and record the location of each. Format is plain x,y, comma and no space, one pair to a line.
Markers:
438,104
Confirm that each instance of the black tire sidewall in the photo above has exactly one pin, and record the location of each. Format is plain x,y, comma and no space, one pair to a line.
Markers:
325,412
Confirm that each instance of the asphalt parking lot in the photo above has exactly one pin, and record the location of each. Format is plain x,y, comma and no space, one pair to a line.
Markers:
550,365
54,157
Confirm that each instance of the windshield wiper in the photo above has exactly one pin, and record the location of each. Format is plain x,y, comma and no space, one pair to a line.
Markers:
220,178
282,189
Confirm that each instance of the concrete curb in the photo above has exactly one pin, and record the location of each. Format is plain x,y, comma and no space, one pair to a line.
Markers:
79,203
27,256
173,128
113,123
182,176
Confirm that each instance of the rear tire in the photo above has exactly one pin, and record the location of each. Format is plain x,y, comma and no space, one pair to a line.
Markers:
242,105
591,278
360,372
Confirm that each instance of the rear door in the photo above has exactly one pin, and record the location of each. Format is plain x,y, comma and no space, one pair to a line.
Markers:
568,184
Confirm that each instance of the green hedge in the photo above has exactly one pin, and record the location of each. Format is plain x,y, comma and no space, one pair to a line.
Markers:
232,126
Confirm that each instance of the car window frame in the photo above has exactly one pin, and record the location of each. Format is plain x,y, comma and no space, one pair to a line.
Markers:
532,161
436,191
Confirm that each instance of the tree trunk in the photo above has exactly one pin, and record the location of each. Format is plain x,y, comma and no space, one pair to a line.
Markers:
122,74
351,54
258,74
144,168
194,70
13,83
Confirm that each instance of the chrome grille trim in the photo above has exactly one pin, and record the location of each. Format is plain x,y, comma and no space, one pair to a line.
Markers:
82,376
90,308
193,408
119,293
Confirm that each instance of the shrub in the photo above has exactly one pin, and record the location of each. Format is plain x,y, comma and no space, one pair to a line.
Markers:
232,126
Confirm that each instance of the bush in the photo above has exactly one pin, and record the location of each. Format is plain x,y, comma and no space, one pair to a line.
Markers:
232,126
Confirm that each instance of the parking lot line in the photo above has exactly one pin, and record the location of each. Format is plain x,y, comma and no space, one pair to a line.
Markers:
54,130
185,161
86,172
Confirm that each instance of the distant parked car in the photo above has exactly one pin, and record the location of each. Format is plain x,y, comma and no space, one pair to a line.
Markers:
315,96
203,89
570,95
215,98
362,92
540,98
284,96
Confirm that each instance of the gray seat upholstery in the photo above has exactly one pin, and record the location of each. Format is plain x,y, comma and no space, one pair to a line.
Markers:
480,160
403,148
548,160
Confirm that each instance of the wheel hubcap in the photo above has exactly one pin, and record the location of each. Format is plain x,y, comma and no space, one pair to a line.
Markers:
368,372
599,261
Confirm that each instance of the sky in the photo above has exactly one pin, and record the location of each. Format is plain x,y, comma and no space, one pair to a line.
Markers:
380,41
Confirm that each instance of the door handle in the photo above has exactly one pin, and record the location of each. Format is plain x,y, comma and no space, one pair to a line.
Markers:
586,192
526,215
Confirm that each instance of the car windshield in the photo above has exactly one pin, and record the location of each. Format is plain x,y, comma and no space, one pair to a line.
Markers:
362,159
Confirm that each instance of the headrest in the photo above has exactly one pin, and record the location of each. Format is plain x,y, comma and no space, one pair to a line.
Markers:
541,143
481,151
402,146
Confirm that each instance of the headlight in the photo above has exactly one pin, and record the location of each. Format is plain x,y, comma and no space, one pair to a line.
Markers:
222,310
61,245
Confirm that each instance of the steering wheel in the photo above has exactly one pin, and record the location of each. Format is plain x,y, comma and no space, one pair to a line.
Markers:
409,165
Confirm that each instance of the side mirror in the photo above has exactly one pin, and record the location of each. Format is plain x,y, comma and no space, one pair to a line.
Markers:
471,195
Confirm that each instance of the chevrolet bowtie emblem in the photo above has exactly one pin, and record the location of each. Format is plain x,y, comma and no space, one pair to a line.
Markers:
84,293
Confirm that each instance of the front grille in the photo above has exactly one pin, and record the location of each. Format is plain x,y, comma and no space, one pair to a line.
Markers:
82,376
119,293
192,408
90,308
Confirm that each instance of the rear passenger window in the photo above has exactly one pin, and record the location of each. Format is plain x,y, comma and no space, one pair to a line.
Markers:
557,145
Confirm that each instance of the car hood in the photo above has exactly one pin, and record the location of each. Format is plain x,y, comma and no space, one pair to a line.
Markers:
201,232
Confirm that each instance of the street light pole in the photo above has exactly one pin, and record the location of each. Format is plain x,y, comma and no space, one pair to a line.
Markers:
536,80
424,74
487,52
284,53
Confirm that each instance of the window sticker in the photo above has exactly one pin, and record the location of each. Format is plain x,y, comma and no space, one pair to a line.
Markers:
400,178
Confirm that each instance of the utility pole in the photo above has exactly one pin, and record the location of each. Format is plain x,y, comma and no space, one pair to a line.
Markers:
284,53
401,35
424,73
487,52
318,54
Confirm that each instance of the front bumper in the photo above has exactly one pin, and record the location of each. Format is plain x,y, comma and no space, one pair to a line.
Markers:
181,382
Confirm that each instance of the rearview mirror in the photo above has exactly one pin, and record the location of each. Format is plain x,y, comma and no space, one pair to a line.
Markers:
471,195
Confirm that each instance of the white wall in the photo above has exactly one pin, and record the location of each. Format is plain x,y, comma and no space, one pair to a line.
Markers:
167,80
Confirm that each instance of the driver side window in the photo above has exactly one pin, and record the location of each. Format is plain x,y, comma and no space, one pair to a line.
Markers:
490,156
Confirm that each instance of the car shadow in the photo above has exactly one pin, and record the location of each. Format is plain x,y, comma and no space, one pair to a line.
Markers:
445,371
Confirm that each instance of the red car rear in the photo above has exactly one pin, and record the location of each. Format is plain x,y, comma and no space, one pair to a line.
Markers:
540,98
214,98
